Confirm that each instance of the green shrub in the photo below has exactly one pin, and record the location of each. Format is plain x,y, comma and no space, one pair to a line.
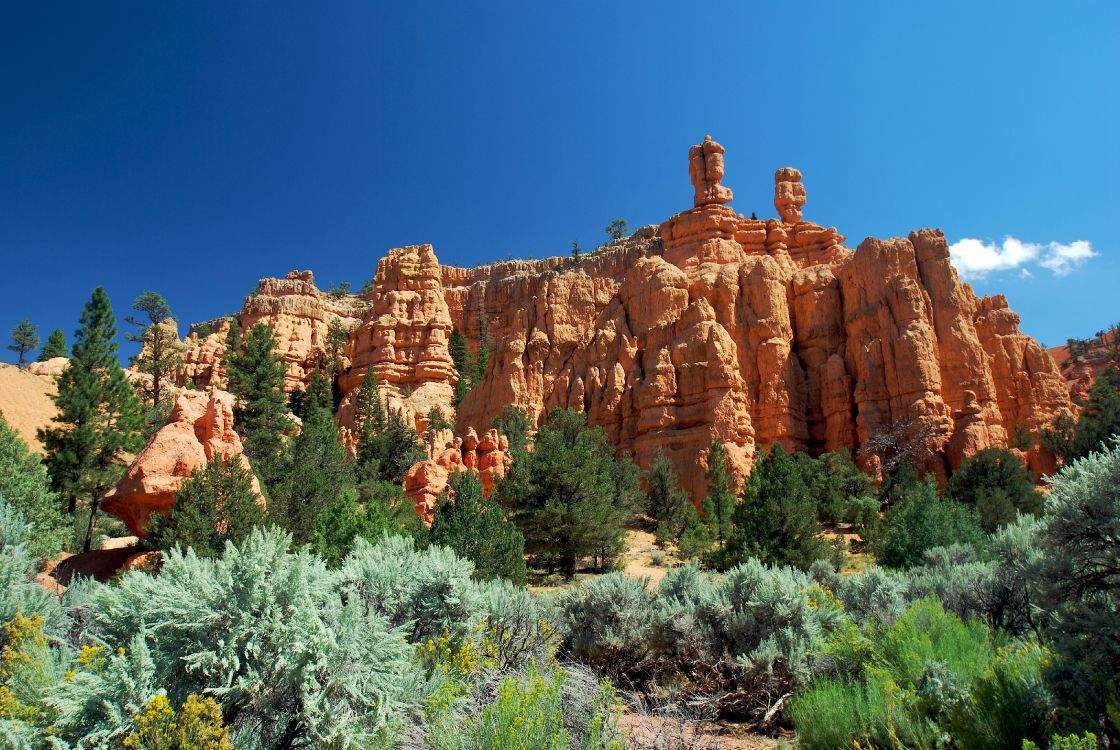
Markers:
24,484
425,591
608,623
1007,704
920,521
1080,571
998,484
265,631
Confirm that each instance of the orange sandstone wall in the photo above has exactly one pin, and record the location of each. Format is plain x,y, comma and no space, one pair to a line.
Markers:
711,325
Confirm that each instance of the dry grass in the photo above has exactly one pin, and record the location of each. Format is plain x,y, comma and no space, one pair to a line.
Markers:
25,401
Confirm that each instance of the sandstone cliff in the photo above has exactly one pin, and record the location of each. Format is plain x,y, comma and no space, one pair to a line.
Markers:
710,325
199,428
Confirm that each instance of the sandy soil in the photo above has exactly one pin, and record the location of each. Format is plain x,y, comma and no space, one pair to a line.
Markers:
25,402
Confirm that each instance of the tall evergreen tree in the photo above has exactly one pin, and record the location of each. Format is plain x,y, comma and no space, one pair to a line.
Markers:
234,344
215,505
24,339
338,338
474,527
666,503
55,346
99,416
256,378
568,496
315,474
160,354
719,505
464,362
777,518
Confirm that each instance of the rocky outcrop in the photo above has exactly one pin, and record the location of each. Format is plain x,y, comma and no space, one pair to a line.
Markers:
427,480
760,331
199,428
1082,366
711,325
404,339
299,315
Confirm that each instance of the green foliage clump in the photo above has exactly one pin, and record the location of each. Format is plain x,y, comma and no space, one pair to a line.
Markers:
99,416
570,497
55,346
475,528
25,485
256,378
264,630
215,505
1071,439
515,425
776,522
425,591
468,365
924,678
920,521
1080,571
998,484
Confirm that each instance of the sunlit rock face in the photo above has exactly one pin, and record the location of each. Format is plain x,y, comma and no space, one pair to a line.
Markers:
711,325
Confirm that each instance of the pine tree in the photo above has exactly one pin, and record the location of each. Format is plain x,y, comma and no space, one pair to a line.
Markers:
719,505
315,473
577,253
234,344
24,339
160,354
371,421
515,425
617,229
338,339
99,416
776,521
55,346
26,487
666,503
475,528
217,504
465,364
568,496
256,378
999,484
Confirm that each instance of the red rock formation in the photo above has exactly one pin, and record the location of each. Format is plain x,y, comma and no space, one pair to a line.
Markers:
758,332
299,316
705,168
404,338
199,428
709,326
1094,356
427,480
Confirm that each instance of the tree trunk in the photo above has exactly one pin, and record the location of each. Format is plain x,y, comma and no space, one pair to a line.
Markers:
89,528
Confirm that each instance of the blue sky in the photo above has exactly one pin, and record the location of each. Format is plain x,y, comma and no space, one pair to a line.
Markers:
193,148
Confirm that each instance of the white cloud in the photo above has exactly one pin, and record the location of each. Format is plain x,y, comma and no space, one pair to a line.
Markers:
1063,259
975,259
